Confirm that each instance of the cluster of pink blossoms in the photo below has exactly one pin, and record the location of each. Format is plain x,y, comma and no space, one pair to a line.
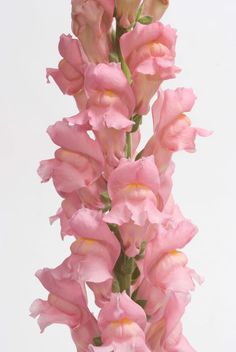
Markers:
117,202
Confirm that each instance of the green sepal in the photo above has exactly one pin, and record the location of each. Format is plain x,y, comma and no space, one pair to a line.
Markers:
113,57
105,197
141,302
106,200
145,20
97,341
135,274
134,294
138,121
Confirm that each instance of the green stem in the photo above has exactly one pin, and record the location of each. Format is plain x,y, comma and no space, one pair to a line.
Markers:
128,148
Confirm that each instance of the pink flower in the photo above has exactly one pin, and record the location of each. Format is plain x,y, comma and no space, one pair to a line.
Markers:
155,8
149,51
122,323
168,270
102,291
94,240
133,235
70,73
78,163
66,304
172,128
166,276
134,188
85,196
91,22
175,342
109,108
110,101
83,325
68,207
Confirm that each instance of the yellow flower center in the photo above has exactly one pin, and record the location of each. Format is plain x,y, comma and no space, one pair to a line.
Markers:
122,321
109,93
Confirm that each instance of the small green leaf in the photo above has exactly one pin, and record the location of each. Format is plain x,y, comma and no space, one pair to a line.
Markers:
145,20
97,341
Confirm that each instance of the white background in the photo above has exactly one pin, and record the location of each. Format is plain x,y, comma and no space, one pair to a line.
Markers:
204,182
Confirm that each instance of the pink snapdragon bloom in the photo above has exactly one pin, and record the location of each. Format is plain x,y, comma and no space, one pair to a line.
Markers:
175,342
133,236
91,23
94,240
134,188
109,108
66,304
126,11
69,206
111,102
122,323
88,197
165,270
102,291
149,51
78,163
172,128
155,8
69,76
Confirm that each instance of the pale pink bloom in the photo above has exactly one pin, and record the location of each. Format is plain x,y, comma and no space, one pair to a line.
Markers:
155,8
91,23
149,51
122,320
82,324
78,163
175,342
111,102
170,272
69,75
96,248
126,11
66,304
109,108
102,291
68,207
91,195
134,188
133,235
112,142
165,268
86,196
172,128
84,333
